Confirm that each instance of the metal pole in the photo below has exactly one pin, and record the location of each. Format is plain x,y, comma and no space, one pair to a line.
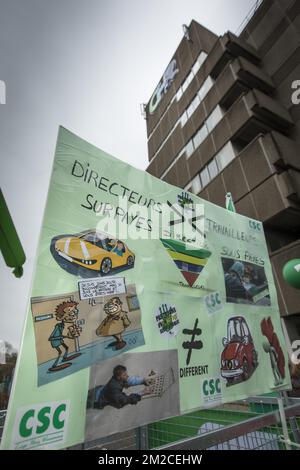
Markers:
292,419
143,438
283,421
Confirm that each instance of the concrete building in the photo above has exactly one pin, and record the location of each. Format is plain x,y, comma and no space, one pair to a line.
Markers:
224,117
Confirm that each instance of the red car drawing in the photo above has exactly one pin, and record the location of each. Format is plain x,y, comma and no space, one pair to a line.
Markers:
239,358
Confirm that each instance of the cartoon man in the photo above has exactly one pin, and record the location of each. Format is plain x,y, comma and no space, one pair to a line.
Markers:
268,348
66,314
112,393
110,243
273,348
115,323
119,249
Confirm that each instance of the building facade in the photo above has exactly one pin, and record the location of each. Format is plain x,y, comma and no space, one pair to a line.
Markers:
225,117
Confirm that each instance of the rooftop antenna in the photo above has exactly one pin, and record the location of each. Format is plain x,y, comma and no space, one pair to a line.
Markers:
186,32
143,110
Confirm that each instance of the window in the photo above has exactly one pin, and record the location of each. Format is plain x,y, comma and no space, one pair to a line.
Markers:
193,106
176,123
225,156
204,175
214,117
208,83
179,93
189,148
196,185
190,110
172,101
212,169
200,136
187,81
183,118
196,67
182,151
184,85
201,58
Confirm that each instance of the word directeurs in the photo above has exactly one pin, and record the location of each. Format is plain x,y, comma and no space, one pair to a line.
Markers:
90,176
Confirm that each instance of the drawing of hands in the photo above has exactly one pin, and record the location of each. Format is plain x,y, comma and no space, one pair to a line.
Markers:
74,331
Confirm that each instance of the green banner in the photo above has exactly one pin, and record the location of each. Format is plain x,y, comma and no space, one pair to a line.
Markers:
147,302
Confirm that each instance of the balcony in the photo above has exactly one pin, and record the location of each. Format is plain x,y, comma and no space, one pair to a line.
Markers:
251,115
263,184
257,113
275,202
225,49
238,77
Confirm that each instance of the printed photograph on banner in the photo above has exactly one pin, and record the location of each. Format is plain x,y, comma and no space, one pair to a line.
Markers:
272,347
72,333
91,253
130,391
239,357
245,283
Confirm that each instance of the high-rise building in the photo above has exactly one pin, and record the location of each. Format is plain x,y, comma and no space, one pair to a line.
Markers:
225,117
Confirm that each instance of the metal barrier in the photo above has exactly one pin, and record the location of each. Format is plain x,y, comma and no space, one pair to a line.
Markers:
255,423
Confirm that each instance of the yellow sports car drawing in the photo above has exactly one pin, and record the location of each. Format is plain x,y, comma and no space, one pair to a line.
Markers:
94,250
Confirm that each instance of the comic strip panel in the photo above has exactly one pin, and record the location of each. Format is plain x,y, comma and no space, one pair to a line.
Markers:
132,390
245,283
76,330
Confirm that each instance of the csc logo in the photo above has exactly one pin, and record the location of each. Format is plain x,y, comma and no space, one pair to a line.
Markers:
211,387
41,425
36,423
163,85
212,300
255,225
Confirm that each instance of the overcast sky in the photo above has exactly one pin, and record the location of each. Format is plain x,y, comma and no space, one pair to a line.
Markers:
86,65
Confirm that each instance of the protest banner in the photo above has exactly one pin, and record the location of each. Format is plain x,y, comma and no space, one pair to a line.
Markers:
147,302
